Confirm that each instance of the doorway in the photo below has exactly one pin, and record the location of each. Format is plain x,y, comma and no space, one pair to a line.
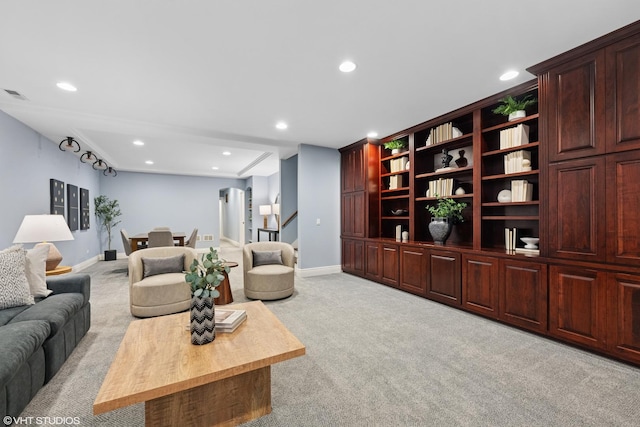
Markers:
232,216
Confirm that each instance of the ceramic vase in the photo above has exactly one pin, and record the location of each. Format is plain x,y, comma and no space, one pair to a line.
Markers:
517,115
440,229
203,322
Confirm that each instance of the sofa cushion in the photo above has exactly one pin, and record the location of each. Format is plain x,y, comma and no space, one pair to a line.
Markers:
267,257
18,341
35,271
14,287
160,290
9,313
55,309
162,265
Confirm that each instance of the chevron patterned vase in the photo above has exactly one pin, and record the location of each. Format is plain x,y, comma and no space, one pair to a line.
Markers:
203,322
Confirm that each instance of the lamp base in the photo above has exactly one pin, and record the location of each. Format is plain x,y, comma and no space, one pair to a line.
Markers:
264,223
53,258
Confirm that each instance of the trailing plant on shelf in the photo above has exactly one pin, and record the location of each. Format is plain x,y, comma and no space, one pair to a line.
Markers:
205,274
396,144
448,208
510,104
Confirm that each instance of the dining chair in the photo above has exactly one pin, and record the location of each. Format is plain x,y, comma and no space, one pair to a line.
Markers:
160,238
191,242
161,229
126,241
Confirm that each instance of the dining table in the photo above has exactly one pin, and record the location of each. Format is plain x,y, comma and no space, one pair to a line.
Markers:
178,237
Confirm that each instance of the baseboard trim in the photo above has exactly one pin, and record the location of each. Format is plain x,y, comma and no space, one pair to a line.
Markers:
86,263
318,271
233,242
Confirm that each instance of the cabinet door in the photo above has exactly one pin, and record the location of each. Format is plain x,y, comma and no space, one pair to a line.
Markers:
576,108
623,95
480,284
352,256
390,265
373,262
623,208
444,277
577,305
353,169
413,270
353,214
624,316
523,294
576,209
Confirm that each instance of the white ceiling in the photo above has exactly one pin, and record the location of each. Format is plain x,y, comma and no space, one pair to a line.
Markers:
194,78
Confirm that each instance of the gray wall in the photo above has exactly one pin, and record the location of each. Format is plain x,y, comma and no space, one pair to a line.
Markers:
318,198
27,162
176,201
289,198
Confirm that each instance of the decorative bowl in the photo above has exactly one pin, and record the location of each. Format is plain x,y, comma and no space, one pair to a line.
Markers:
530,242
504,196
399,212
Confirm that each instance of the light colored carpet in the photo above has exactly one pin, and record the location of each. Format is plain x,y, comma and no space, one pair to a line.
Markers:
376,356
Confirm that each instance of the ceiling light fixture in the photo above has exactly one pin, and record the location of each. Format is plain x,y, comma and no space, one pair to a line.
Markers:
66,86
88,157
347,67
372,135
215,168
109,171
226,153
511,74
100,165
149,162
69,145
138,142
281,125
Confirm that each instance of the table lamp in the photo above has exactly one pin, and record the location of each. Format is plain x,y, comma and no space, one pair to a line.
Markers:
44,229
265,210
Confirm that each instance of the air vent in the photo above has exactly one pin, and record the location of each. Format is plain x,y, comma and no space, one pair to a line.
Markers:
16,94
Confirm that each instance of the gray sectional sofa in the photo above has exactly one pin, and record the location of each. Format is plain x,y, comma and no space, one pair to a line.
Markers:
35,340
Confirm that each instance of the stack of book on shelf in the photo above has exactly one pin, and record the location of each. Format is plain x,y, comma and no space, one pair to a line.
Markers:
441,187
513,161
521,190
442,133
510,239
395,182
228,320
514,137
399,164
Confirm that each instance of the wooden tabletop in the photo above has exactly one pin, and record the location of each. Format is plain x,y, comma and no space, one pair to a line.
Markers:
156,357
61,269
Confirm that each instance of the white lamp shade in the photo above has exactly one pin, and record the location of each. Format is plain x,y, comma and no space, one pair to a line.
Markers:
43,228
275,208
265,209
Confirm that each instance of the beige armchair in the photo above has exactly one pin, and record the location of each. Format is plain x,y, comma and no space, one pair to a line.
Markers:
272,280
156,281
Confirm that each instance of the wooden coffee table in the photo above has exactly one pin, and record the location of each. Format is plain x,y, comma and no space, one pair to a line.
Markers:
226,382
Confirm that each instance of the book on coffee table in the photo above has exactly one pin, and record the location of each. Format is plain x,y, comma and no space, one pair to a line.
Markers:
228,320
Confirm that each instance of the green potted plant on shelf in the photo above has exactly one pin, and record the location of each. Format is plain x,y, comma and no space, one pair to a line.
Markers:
514,108
204,275
395,146
445,214
107,211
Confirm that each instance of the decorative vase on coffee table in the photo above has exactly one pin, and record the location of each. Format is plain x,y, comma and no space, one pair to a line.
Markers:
440,229
203,322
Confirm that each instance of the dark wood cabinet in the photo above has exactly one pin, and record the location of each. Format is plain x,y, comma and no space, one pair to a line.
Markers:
413,270
577,305
353,210
623,331
354,166
390,265
523,294
444,280
352,256
480,284
373,261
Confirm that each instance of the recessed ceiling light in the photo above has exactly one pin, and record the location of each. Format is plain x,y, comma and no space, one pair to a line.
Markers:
138,142
372,135
512,74
149,162
281,125
347,67
215,168
66,86
226,153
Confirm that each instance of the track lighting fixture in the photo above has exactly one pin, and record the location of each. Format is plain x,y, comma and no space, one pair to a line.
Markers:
69,145
88,157
109,171
100,165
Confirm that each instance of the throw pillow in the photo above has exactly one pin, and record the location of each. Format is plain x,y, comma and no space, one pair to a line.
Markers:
267,257
36,271
171,264
14,288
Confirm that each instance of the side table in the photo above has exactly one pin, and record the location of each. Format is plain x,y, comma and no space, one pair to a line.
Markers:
225,287
61,269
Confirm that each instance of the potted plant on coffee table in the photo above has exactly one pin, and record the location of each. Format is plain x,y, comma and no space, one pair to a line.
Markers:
204,275
107,211
445,214
514,108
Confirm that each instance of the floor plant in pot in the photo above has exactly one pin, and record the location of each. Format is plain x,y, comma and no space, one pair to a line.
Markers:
514,108
444,215
107,211
204,275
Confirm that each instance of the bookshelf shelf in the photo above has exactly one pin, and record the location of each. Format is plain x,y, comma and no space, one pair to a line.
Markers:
529,146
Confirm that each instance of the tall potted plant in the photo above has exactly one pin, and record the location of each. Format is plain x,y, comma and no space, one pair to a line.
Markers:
514,108
204,275
444,215
107,211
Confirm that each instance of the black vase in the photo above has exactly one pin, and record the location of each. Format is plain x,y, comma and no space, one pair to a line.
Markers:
440,229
